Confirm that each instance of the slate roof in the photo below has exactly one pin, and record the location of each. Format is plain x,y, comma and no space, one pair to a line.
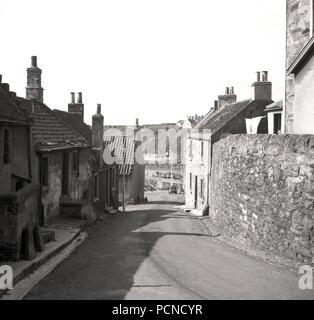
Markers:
49,132
117,144
74,121
9,109
301,59
275,106
219,119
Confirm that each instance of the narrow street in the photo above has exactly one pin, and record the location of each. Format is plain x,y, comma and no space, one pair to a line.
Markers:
155,251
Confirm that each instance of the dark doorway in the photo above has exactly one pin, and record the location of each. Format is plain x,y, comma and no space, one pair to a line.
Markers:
65,173
277,123
196,192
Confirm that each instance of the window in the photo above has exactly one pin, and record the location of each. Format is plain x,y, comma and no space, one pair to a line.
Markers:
202,189
6,146
113,178
277,123
191,149
191,181
75,162
96,187
202,150
44,172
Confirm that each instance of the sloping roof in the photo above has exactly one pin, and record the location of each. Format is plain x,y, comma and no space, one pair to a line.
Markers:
219,119
48,130
210,113
9,109
302,57
75,123
123,149
275,106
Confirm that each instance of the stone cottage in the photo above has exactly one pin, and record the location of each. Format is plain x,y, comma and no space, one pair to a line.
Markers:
19,188
105,176
299,100
131,171
227,117
62,156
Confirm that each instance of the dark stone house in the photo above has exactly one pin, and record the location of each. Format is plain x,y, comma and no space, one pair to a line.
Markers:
51,164
104,176
19,187
68,159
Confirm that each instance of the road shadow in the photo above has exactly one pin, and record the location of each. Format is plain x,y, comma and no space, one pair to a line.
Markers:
104,266
166,202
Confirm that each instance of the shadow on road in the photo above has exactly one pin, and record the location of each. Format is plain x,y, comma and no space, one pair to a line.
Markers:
176,203
104,266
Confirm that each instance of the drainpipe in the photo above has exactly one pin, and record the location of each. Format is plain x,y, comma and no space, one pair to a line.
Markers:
209,168
30,155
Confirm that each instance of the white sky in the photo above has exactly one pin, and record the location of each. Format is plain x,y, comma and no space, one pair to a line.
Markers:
158,60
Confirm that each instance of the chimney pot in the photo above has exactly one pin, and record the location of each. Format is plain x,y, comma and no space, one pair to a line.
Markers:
80,99
258,76
34,61
72,97
227,90
98,108
0,78
265,76
137,122
231,90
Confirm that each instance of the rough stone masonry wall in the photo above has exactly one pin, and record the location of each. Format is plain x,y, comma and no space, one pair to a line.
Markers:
262,192
298,34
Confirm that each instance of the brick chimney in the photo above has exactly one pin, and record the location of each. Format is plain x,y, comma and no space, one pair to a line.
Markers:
77,107
98,133
34,91
216,105
228,98
262,87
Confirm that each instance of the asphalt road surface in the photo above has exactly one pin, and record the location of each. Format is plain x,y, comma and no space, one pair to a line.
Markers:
157,252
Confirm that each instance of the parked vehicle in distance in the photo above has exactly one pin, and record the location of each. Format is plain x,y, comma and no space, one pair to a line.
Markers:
173,190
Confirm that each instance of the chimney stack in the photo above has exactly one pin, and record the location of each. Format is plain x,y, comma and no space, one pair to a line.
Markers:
98,133
262,89
34,90
228,98
0,78
78,107
5,87
136,123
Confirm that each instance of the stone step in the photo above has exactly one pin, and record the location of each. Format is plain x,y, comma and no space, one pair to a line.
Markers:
71,210
48,235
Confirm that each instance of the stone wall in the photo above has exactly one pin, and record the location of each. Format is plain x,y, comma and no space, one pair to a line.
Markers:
79,183
17,211
298,34
262,192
